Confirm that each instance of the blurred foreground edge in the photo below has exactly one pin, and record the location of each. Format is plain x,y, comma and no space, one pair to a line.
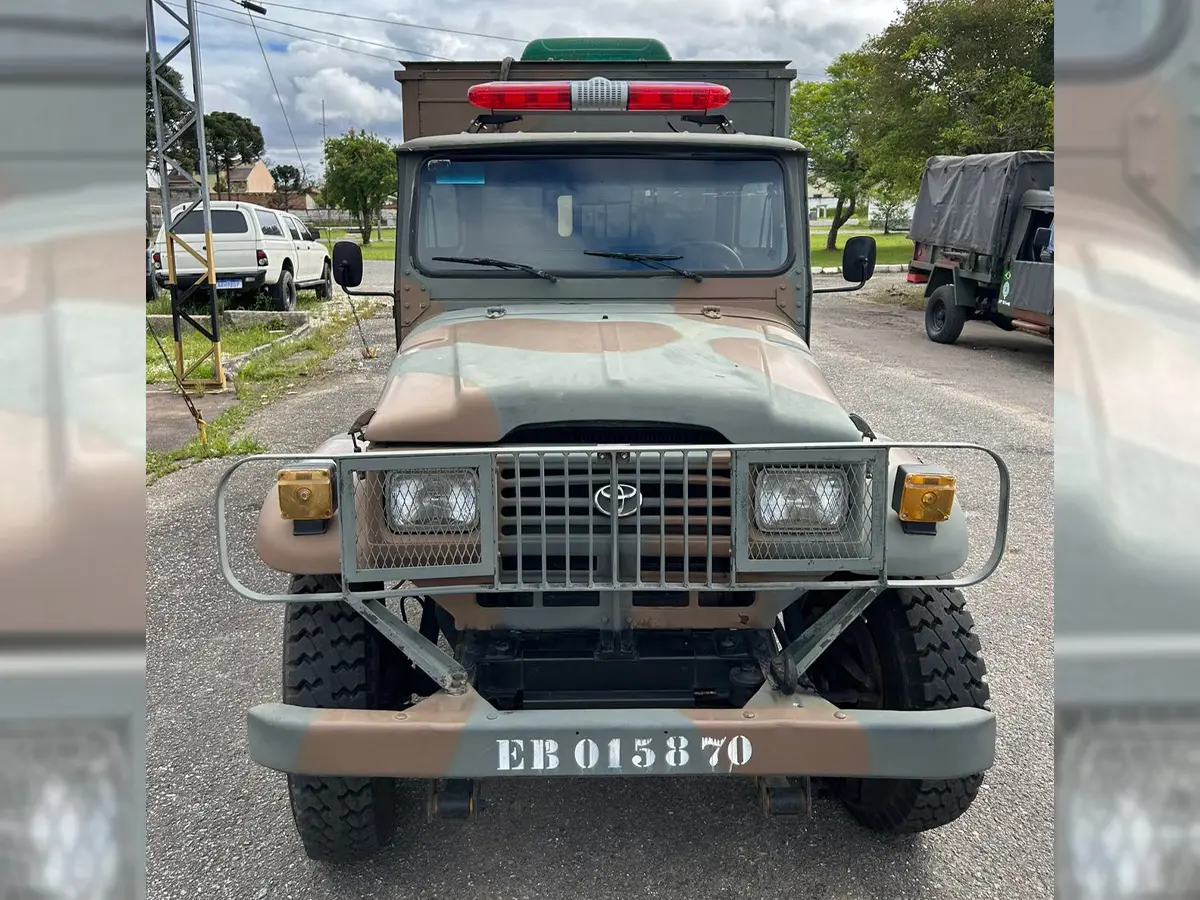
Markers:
1127,479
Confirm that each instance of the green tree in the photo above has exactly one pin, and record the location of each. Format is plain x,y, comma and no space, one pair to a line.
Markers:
231,139
957,77
175,111
289,181
888,202
826,118
360,174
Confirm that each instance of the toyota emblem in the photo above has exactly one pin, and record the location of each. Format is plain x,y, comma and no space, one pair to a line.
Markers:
629,500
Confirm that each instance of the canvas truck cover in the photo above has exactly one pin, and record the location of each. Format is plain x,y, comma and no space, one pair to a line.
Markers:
434,94
969,202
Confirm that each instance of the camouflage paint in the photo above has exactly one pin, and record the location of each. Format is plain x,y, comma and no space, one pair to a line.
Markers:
465,378
1127,244
1127,481
445,736
71,281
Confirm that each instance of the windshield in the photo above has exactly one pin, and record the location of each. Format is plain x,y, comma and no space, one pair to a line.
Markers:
717,215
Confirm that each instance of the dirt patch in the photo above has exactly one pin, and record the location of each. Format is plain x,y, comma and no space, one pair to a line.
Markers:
891,289
169,423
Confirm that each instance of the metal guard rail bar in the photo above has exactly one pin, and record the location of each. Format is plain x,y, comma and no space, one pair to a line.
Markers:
489,460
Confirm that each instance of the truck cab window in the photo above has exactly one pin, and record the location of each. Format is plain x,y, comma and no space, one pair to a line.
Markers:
705,210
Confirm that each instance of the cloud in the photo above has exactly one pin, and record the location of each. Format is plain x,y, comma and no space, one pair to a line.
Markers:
348,99
359,88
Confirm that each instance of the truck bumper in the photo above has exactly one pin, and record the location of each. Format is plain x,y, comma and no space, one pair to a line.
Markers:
463,736
246,281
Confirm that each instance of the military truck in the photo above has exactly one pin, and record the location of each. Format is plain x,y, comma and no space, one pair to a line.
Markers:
982,243
607,516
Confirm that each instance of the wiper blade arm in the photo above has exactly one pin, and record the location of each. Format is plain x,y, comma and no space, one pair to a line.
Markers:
646,259
498,264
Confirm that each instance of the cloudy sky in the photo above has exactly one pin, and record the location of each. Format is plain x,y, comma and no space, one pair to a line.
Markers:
318,51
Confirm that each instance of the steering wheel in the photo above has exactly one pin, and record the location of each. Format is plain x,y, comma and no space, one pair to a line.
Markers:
732,260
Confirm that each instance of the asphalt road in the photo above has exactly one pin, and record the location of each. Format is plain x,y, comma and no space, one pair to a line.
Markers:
220,827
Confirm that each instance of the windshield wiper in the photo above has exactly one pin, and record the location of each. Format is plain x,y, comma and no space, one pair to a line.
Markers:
646,259
496,263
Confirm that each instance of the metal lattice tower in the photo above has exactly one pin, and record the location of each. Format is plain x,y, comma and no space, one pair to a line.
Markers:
168,166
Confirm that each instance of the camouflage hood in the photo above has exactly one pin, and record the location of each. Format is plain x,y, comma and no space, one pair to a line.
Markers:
466,378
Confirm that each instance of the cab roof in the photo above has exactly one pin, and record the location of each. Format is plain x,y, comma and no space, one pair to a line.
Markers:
670,140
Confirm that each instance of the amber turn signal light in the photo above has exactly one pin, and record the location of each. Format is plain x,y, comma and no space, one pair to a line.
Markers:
305,494
923,496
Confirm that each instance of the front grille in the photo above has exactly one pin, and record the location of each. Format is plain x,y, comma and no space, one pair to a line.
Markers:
675,530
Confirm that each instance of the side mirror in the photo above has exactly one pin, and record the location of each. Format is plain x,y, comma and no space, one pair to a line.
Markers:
347,264
1041,239
858,259
314,234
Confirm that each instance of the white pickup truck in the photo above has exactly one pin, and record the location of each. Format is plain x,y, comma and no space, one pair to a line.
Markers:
253,248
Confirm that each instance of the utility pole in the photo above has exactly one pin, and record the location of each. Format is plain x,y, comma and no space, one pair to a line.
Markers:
207,283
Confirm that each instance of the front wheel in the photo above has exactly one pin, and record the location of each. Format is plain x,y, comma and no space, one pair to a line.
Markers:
334,659
913,649
944,319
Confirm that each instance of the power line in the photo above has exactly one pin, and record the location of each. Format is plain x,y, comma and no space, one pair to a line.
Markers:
298,37
341,15
476,34
336,35
278,96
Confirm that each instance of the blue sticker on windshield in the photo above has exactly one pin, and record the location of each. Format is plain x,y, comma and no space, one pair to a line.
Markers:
458,173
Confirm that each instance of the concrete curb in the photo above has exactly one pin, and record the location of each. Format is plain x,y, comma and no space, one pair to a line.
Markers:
837,270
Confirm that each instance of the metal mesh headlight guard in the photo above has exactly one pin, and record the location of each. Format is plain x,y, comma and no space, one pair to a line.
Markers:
72,774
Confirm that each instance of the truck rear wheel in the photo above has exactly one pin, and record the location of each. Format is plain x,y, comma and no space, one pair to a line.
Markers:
325,288
944,319
283,292
912,650
334,659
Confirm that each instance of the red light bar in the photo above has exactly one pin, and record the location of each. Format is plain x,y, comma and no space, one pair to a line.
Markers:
599,95
531,95
668,95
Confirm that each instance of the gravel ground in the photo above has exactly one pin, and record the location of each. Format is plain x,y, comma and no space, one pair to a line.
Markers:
220,826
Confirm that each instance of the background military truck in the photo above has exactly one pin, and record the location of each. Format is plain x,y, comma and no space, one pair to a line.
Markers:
980,232
607,516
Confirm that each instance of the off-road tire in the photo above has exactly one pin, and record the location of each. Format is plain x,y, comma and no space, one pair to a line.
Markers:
325,288
944,319
930,659
283,292
333,659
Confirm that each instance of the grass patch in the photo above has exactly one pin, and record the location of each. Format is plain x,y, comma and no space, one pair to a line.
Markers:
261,381
890,249
379,249
195,345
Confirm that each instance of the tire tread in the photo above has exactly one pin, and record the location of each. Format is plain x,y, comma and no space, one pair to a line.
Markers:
942,668
328,663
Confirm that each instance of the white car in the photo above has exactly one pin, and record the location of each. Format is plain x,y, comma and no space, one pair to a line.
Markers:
254,247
